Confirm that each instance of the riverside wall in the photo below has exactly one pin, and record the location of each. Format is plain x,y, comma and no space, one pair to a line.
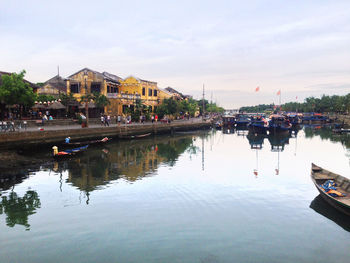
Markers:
33,139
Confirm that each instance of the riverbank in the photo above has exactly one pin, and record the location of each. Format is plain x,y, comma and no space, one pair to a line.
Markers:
32,139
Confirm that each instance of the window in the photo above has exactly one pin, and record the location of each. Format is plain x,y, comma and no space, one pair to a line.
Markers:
143,91
109,89
149,92
155,93
74,88
95,88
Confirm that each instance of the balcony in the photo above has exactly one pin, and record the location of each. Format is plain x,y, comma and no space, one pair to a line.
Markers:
123,96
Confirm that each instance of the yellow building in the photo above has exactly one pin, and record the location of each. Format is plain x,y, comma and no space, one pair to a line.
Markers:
88,81
145,90
122,93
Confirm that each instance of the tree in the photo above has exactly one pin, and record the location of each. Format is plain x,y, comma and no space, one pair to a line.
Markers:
14,90
99,99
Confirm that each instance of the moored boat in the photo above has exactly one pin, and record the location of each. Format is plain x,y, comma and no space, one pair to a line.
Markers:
93,142
242,120
316,118
339,197
137,136
68,152
279,124
258,124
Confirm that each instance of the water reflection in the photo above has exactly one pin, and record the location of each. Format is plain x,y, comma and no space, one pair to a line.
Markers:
325,132
126,160
18,209
323,208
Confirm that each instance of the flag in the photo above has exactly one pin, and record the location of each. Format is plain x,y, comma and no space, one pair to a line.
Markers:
279,92
277,171
257,89
256,172
296,97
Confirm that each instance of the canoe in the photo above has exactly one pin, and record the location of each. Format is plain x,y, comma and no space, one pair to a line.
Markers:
70,152
94,142
138,136
319,176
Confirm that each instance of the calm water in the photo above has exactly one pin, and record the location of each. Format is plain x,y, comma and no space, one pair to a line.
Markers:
200,197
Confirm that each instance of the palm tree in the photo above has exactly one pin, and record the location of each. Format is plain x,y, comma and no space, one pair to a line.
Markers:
86,99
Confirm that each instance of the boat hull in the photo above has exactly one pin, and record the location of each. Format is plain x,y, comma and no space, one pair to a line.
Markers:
319,175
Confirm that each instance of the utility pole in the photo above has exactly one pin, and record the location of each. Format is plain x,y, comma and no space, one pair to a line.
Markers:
203,104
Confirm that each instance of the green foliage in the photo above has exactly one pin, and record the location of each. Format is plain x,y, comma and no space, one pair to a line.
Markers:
334,104
100,100
13,90
67,100
43,97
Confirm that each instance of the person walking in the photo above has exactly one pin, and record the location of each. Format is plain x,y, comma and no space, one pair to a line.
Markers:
102,120
108,120
156,118
152,118
119,118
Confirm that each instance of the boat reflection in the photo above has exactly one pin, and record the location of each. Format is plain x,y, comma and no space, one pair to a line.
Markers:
126,160
17,209
322,207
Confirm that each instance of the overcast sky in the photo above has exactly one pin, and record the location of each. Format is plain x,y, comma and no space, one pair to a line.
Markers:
300,47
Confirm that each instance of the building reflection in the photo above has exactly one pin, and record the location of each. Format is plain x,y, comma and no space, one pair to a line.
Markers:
17,209
128,160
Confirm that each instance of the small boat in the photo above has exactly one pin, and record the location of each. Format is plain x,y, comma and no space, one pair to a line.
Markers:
228,120
279,123
242,120
316,118
295,119
338,198
138,136
94,142
258,124
68,152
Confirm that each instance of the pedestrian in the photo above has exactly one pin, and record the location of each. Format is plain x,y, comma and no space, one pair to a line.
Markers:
152,118
102,120
143,119
108,120
44,119
119,119
156,117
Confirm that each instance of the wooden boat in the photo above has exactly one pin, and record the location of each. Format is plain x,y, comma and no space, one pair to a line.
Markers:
320,176
94,142
68,152
138,136
242,120
279,124
258,124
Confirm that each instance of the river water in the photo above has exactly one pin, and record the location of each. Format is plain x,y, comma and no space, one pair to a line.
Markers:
213,196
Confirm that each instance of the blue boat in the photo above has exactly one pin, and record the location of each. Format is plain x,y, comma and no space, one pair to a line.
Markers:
279,124
68,152
242,120
316,118
258,124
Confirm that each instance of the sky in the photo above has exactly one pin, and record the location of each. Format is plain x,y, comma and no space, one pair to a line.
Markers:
231,47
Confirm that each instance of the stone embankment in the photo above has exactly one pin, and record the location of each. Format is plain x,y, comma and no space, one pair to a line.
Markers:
36,138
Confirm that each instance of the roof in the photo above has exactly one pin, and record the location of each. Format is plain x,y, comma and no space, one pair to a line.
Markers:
171,90
111,77
105,75
141,80
32,85
57,82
